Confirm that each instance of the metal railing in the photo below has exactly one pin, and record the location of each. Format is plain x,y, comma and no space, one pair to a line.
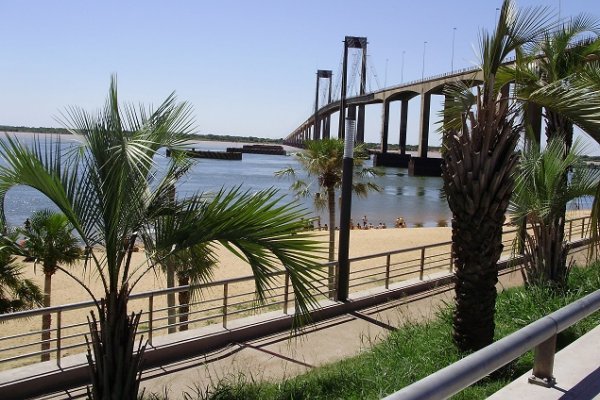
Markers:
540,334
220,302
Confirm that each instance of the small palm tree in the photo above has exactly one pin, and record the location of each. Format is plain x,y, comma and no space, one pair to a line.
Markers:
50,240
109,188
16,293
323,160
543,189
191,266
556,58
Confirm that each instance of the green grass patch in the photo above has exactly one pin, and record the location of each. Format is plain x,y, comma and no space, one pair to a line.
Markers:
415,351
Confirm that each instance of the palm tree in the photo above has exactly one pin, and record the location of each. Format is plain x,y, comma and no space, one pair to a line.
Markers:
50,240
194,266
16,293
543,189
479,160
110,190
190,265
323,160
556,58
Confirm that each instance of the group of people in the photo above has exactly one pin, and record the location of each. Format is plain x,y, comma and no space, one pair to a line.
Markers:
365,225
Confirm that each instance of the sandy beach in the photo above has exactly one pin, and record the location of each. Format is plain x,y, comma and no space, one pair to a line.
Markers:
362,243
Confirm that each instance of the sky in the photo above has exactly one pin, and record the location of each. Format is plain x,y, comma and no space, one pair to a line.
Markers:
247,67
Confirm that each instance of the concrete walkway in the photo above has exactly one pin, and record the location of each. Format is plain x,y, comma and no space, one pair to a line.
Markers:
280,356
577,373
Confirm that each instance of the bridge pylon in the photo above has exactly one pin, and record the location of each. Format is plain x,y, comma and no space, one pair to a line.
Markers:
353,42
322,74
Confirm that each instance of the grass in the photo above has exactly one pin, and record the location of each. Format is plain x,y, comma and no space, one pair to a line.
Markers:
415,351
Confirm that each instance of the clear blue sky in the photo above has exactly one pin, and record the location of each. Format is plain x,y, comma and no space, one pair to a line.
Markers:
247,67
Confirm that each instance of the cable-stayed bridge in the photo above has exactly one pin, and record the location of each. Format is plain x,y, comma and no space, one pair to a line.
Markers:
318,124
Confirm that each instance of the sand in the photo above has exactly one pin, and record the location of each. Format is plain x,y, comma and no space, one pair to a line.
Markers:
362,243
65,290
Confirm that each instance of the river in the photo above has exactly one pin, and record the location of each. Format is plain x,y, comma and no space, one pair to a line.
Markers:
419,200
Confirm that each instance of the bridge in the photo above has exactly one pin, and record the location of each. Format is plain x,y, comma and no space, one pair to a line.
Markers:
422,164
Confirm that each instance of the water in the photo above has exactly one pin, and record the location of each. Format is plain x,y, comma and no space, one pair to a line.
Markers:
418,200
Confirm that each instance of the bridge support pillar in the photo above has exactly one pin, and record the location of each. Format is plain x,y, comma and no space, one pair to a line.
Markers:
533,118
391,160
360,125
403,124
424,166
385,122
342,114
326,123
424,131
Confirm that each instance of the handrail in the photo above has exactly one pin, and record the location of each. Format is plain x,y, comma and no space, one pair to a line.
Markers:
432,257
458,376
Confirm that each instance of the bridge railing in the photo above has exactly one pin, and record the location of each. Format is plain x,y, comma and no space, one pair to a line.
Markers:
222,302
540,335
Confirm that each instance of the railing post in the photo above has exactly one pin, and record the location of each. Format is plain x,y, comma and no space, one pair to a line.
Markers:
544,363
422,271
570,230
286,292
387,271
150,317
58,336
451,260
583,227
225,290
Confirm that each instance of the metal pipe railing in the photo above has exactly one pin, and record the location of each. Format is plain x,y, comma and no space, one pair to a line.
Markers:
229,302
540,334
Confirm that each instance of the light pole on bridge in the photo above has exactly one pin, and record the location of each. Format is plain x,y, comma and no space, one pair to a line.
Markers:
423,67
402,69
452,60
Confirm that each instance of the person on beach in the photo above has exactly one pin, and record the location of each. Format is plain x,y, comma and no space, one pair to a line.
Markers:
400,223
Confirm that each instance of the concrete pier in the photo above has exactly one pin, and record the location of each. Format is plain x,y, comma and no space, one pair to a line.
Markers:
425,166
391,160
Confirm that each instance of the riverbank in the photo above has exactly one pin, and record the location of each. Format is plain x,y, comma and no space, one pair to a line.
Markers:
362,242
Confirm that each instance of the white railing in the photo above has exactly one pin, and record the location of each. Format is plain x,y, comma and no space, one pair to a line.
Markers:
219,302
540,334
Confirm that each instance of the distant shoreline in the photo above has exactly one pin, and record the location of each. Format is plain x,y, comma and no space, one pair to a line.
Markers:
206,137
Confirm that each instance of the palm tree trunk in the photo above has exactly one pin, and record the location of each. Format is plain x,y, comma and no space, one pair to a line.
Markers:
171,311
556,253
115,366
557,125
476,250
478,181
46,318
184,303
331,272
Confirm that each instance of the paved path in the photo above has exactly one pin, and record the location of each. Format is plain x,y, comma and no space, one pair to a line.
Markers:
278,356
577,373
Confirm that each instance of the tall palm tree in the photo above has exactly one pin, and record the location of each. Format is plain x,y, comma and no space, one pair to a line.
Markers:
479,160
559,58
543,189
16,293
50,240
109,188
323,160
